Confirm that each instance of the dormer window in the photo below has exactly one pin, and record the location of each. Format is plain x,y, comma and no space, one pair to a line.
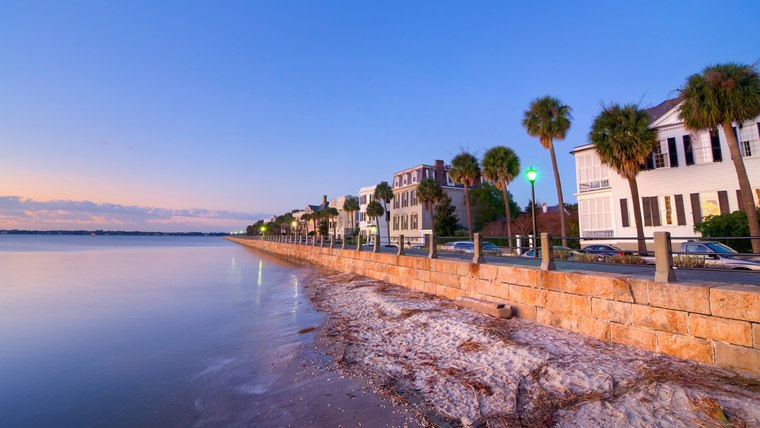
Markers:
395,181
406,181
414,176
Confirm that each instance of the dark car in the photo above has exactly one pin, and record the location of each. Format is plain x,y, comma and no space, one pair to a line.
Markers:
603,250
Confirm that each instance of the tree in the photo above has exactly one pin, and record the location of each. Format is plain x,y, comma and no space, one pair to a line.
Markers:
351,205
375,210
548,119
331,213
726,225
384,193
429,192
500,166
488,206
445,220
306,218
465,170
623,140
721,95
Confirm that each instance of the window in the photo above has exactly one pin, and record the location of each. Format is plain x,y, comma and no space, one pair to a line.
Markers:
415,222
596,217
666,213
672,152
405,179
659,157
709,203
395,222
414,197
449,180
395,181
688,150
592,174
414,176
650,211
715,146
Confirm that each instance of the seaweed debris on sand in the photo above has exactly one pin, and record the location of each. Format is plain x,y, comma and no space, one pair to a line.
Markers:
457,367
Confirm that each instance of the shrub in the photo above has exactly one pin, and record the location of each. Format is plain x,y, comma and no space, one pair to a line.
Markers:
627,259
684,261
733,224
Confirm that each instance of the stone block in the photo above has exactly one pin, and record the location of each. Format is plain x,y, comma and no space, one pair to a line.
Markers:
554,319
633,336
468,283
610,310
737,357
736,301
593,327
445,279
552,280
494,309
686,347
756,335
487,272
569,303
630,291
527,295
731,331
683,297
660,319
527,312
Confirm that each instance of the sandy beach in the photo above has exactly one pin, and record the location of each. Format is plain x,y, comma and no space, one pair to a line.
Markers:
455,367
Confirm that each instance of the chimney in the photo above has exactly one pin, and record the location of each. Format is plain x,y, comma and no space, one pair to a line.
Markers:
324,200
440,172
544,209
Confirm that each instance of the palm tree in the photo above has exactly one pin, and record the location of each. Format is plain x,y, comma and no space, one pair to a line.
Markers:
375,210
548,119
466,171
721,95
384,192
623,139
331,213
500,166
306,218
429,192
351,205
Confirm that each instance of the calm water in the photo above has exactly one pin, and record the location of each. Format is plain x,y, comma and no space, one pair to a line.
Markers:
145,331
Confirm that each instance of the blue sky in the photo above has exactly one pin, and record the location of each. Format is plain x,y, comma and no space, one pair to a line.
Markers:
252,108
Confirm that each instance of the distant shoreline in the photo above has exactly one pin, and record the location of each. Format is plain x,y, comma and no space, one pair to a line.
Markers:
107,233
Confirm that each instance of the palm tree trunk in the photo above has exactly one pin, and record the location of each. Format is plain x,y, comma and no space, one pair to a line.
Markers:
747,202
559,194
432,227
467,202
387,221
509,214
637,213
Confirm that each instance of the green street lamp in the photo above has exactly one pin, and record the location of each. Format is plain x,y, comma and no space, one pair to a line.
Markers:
532,174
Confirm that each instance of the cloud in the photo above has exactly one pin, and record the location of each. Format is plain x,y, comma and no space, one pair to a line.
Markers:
20,213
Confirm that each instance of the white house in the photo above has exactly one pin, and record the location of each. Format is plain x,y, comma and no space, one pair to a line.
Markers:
367,195
343,223
688,177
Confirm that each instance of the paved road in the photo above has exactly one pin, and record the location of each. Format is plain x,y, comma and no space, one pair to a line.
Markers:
639,271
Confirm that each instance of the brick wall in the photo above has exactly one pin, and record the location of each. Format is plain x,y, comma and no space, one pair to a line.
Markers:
714,324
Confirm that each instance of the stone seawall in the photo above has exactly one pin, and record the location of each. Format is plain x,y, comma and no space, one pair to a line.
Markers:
715,324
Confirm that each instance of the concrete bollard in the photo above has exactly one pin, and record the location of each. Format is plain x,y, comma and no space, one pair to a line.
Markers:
432,250
400,250
663,258
477,256
547,252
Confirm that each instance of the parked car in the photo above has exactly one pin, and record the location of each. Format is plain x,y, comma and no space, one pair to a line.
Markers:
603,250
559,252
720,256
469,247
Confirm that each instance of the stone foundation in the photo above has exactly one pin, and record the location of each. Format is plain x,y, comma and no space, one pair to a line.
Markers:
715,324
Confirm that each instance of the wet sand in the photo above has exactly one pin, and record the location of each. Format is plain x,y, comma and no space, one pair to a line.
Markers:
455,367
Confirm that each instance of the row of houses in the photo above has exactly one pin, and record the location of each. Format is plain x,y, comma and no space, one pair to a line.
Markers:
688,177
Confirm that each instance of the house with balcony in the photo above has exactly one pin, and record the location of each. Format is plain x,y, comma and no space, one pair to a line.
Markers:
408,215
689,176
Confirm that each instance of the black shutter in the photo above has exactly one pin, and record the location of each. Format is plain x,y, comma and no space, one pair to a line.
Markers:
723,202
696,208
680,212
647,211
624,212
655,211
739,199
672,152
688,150
715,145
650,161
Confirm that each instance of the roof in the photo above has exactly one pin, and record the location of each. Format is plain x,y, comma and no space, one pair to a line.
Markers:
659,110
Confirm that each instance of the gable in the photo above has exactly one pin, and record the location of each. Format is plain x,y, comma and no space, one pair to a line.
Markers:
669,118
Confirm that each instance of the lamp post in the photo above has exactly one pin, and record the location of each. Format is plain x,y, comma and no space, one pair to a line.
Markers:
532,173
263,229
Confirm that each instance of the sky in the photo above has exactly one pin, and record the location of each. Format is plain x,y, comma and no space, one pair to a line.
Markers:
206,116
